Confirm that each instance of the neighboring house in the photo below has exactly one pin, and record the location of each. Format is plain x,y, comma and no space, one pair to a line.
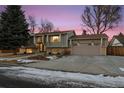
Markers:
117,40
56,42
89,44
116,45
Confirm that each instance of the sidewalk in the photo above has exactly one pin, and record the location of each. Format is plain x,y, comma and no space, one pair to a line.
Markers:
107,65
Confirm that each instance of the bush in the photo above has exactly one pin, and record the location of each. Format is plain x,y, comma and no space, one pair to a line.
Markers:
50,53
67,52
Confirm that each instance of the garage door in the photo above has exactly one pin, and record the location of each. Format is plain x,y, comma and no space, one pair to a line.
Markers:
85,50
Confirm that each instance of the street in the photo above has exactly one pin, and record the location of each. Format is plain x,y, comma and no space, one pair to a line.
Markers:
15,76
11,81
6,82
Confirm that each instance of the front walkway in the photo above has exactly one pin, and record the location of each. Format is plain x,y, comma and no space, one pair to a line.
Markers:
107,65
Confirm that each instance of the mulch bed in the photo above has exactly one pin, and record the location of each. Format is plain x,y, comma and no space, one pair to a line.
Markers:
39,57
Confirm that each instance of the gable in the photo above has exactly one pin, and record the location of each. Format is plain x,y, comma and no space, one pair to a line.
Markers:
116,42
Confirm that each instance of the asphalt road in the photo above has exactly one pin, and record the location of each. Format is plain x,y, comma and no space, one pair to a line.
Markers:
6,82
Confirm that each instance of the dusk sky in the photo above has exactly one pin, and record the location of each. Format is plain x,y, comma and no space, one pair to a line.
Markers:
64,17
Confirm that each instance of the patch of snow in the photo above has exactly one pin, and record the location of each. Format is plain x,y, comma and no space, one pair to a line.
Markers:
7,59
122,69
24,61
51,57
48,75
2,59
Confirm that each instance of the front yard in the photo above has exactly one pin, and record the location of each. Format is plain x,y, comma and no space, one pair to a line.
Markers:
107,65
21,58
67,71
48,78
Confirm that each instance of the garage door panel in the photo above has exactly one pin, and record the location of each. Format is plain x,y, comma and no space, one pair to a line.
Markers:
86,50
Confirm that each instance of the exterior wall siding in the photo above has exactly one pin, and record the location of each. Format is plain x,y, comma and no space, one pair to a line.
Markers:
88,42
62,43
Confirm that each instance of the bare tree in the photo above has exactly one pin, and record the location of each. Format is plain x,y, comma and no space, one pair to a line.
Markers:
46,26
32,23
100,18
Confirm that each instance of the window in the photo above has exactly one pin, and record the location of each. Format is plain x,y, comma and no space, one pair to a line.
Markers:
55,39
29,50
39,39
91,44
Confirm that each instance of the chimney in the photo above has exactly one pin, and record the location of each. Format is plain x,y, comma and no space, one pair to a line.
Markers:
120,34
84,32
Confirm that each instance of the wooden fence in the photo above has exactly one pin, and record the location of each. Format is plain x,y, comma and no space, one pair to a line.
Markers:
115,50
9,51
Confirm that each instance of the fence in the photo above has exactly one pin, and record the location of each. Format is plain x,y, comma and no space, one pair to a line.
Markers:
9,51
115,50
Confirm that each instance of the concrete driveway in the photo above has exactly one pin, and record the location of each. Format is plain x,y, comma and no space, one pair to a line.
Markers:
108,65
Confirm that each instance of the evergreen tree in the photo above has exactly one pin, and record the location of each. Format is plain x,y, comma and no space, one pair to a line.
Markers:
14,28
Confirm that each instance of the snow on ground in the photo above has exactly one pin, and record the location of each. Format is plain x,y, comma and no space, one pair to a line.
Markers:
122,69
25,61
19,60
48,75
51,57
2,59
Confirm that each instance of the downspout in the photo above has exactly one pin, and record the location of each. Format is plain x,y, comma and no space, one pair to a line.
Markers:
34,39
101,48
61,43
101,43
67,40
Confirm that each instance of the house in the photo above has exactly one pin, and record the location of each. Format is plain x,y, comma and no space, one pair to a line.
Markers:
67,42
89,44
116,45
117,40
57,42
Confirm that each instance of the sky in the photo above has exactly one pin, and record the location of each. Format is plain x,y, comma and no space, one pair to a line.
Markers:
64,17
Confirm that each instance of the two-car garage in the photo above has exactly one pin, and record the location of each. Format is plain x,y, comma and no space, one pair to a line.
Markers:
89,45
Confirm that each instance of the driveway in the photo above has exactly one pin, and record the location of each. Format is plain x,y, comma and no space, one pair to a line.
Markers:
107,65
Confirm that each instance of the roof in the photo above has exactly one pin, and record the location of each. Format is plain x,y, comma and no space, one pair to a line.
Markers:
91,36
120,38
56,32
